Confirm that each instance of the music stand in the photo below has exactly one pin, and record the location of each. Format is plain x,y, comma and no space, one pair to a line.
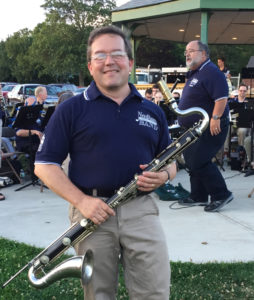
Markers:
245,119
47,116
26,119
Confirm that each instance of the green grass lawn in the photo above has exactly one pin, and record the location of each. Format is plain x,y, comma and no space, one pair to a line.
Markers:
189,281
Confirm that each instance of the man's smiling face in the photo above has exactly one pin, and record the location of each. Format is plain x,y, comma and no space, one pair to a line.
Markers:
109,74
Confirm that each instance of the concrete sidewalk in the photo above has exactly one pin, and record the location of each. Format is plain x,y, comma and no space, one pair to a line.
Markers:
192,235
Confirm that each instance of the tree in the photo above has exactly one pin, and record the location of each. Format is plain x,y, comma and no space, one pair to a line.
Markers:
58,50
236,56
63,38
17,49
5,62
158,53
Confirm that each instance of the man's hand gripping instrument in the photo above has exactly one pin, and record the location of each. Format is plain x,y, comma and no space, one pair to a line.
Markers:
82,266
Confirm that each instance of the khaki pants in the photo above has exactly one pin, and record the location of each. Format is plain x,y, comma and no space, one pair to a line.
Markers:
247,146
135,237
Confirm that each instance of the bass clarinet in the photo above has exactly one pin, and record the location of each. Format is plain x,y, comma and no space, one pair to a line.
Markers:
82,266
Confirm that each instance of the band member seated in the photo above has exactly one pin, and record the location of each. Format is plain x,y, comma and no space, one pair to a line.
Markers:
23,139
28,137
176,96
40,96
170,116
240,102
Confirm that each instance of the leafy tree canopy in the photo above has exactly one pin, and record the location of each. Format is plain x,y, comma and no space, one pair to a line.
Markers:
56,49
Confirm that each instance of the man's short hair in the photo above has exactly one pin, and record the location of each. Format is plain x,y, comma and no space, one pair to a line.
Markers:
243,84
65,95
148,91
203,47
38,90
108,30
155,86
178,94
221,58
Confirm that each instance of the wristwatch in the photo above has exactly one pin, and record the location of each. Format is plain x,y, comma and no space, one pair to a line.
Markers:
215,117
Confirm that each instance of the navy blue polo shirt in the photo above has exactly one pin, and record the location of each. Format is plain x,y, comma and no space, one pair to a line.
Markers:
204,87
107,142
22,141
236,100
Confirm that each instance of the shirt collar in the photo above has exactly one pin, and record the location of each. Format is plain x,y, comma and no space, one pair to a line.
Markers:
190,73
204,64
93,93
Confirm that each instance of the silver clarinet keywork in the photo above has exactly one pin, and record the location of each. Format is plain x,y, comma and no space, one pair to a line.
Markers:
82,267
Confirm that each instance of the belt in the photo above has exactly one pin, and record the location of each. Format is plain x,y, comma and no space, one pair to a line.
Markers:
98,192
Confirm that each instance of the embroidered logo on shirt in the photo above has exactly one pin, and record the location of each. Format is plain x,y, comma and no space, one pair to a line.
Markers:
193,82
147,120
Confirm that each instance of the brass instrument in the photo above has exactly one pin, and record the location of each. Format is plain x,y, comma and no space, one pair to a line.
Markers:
80,230
184,113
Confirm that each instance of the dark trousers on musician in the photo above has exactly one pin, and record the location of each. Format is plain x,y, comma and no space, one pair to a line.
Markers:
135,237
205,177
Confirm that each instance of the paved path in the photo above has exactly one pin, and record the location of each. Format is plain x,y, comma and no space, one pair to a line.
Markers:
192,235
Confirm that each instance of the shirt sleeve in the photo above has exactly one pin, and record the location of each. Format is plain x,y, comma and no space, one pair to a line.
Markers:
164,138
54,146
216,85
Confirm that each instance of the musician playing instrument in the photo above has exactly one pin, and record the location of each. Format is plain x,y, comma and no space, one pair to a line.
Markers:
170,117
241,100
111,132
22,139
41,95
206,87
242,91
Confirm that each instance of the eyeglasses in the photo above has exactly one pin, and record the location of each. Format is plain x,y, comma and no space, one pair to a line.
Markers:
102,56
190,51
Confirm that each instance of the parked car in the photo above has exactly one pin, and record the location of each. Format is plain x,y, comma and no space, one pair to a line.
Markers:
65,86
53,92
22,91
80,90
7,88
5,83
